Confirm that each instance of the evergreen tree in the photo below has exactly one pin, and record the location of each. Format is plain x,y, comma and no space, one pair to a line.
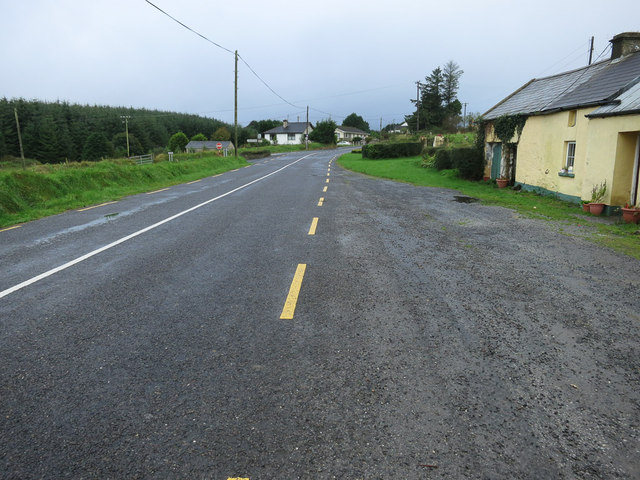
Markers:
97,147
438,106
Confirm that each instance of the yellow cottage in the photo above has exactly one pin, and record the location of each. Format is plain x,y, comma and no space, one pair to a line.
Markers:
573,132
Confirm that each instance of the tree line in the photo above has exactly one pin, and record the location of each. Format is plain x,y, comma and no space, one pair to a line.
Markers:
55,132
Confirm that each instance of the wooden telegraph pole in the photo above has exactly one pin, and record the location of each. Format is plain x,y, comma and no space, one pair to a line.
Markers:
235,108
15,111
126,129
306,131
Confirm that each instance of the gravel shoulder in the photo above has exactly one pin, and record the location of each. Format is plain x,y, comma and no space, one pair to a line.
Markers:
500,347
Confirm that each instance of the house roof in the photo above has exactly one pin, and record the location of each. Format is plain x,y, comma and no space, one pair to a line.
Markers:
627,102
594,85
292,127
351,130
209,145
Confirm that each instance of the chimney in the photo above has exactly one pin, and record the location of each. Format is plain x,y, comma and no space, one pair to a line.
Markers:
624,44
285,123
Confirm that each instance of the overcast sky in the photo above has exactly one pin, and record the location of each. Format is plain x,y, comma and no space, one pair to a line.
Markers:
337,57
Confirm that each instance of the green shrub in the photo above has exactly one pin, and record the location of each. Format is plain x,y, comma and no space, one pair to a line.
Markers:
443,159
428,161
391,150
469,161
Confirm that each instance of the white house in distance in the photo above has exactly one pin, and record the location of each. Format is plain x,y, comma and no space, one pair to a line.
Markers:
347,134
289,133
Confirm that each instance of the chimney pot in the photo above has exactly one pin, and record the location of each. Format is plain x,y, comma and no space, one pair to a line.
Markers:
285,123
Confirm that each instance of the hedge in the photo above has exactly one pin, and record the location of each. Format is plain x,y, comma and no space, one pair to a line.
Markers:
469,161
391,150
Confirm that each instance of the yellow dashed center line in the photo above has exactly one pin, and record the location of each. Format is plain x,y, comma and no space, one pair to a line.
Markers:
10,228
292,299
325,189
95,206
321,201
314,225
157,191
327,180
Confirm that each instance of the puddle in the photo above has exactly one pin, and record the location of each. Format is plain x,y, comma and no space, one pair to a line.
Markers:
463,199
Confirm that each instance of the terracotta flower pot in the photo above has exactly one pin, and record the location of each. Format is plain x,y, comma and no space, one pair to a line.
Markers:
596,208
502,182
630,215
585,207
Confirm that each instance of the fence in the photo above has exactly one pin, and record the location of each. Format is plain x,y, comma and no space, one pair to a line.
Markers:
143,159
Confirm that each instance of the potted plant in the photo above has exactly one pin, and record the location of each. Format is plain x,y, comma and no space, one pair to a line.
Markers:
597,195
631,214
502,182
585,206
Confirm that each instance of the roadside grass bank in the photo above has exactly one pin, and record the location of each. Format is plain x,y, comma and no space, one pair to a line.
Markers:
610,232
47,189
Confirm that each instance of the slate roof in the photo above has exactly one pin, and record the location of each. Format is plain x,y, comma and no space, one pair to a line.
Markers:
209,145
292,127
351,130
625,103
596,84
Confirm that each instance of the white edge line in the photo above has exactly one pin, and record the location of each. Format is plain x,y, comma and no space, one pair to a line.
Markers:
37,278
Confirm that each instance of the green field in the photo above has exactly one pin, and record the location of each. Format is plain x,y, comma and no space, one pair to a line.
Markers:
610,231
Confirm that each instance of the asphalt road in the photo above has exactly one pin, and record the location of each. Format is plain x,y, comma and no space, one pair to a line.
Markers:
430,338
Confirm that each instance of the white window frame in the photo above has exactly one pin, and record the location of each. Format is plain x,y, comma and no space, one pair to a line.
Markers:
291,137
570,156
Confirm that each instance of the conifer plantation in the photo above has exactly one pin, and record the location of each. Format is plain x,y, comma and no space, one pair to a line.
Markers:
58,132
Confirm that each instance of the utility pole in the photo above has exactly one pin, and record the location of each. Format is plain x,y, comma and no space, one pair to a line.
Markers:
591,51
464,117
235,108
418,106
126,128
306,131
15,111
380,128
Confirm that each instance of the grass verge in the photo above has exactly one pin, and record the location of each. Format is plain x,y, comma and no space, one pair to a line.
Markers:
609,232
44,190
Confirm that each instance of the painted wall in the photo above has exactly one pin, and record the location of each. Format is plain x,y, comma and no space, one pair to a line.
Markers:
611,150
542,152
605,151
283,138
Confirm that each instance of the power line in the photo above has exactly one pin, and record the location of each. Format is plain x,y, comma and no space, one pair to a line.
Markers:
267,85
189,28
227,50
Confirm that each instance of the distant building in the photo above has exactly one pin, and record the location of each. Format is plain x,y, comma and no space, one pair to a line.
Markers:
347,134
199,146
289,133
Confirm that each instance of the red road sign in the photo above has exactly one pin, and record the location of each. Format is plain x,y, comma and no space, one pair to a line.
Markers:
219,146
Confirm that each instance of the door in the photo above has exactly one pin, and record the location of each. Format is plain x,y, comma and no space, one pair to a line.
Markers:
496,161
